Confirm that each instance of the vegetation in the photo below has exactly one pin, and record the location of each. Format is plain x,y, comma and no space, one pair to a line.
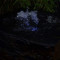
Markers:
12,5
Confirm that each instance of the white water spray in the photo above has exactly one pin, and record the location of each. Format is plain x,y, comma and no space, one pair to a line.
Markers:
26,16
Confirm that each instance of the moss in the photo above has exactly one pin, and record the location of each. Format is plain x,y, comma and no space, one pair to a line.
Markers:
12,5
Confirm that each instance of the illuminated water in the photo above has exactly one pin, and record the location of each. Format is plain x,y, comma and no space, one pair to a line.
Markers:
29,19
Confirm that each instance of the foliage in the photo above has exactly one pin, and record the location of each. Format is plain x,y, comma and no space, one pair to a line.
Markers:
11,5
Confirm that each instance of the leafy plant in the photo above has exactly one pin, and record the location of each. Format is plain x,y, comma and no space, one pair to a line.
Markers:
11,5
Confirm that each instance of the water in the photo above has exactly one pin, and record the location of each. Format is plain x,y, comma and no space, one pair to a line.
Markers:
29,20
51,20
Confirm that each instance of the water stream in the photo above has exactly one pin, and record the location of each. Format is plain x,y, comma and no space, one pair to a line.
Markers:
28,21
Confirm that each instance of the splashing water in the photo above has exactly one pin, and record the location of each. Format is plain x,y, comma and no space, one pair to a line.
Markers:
51,20
25,17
